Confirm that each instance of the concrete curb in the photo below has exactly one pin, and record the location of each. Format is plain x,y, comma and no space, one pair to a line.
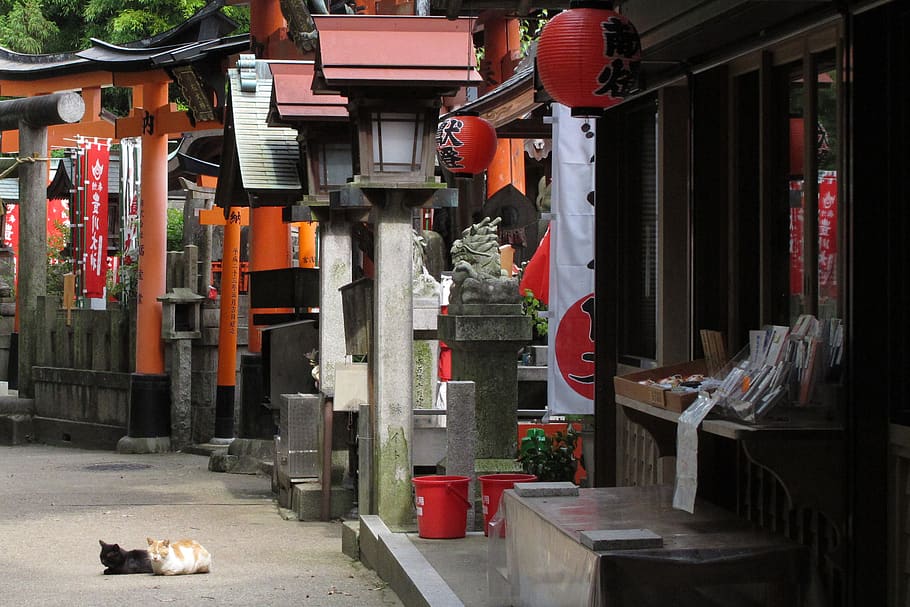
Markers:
397,561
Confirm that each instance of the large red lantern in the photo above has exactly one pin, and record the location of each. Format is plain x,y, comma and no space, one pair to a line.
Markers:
465,144
588,57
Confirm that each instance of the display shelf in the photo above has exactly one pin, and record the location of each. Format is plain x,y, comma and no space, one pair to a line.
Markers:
797,425
803,451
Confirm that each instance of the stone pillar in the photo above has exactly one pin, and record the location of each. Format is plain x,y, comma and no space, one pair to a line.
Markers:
461,435
392,362
181,385
485,340
32,245
335,272
32,117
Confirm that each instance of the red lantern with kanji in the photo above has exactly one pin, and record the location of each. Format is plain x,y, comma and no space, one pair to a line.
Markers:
465,144
588,57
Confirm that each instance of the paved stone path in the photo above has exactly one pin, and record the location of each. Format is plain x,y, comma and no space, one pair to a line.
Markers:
56,503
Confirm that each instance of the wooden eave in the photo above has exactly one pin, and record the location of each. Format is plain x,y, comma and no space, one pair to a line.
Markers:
427,52
509,8
512,108
293,100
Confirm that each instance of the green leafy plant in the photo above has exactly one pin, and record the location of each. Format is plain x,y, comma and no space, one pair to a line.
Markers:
58,263
530,305
551,459
174,230
124,290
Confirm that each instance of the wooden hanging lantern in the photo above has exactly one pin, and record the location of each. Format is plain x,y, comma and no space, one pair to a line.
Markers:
465,144
589,57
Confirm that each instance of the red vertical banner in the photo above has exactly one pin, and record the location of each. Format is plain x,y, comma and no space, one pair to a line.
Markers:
796,237
827,234
95,171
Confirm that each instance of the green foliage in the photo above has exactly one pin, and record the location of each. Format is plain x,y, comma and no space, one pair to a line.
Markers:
125,289
120,21
530,28
57,264
551,459
50,26
174,230
25,29
530,305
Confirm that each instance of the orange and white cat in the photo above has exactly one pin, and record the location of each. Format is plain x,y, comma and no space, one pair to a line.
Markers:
178,558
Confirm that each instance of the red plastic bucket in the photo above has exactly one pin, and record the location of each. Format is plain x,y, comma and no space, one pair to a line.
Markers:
442,506
491,488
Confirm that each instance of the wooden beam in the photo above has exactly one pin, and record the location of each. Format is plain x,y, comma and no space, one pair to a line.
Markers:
62,135
72,82
167,119
130,79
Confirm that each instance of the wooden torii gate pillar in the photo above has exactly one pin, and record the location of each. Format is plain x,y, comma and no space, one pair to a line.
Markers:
31,117
227,331
150,403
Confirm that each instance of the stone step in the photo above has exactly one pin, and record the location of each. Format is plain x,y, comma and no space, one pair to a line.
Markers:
16,429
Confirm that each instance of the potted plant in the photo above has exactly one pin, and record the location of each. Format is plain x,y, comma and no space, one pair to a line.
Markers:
530,306
551,459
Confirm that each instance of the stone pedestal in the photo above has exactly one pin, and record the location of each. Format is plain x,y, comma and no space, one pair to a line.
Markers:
485,340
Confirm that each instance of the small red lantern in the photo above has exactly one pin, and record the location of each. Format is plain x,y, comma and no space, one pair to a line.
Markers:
466,144
588,57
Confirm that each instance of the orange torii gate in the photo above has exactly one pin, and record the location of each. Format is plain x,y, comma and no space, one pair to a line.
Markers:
148,73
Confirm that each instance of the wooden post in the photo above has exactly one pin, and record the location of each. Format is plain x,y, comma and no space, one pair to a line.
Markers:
502,37
227,324
269,250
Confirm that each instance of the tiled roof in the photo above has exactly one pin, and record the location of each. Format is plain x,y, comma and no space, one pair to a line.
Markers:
259,160
432,52
293,99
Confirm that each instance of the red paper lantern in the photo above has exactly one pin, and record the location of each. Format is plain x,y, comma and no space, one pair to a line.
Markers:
465,144
588,57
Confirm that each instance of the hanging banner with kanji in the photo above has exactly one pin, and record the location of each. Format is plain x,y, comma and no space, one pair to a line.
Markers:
57,222
95,171
130,168
571,292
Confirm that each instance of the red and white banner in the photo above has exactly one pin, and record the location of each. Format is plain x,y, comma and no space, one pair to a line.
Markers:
96,165
57,220
130,163
571,291
827,235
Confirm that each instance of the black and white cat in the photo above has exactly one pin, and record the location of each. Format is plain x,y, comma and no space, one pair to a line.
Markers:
117,560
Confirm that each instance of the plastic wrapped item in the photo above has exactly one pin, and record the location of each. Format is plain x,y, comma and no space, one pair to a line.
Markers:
497,562
709,557
780,366
687,450
532,563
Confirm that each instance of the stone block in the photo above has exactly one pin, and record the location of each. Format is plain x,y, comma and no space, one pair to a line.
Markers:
350,545
531,373
16,429
546,489
234,464
259,449
620,539
306,501
540,356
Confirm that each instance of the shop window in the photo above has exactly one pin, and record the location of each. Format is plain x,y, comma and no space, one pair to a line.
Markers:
812,144
638,230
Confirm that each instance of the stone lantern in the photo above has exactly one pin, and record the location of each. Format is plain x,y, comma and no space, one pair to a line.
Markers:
394,94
